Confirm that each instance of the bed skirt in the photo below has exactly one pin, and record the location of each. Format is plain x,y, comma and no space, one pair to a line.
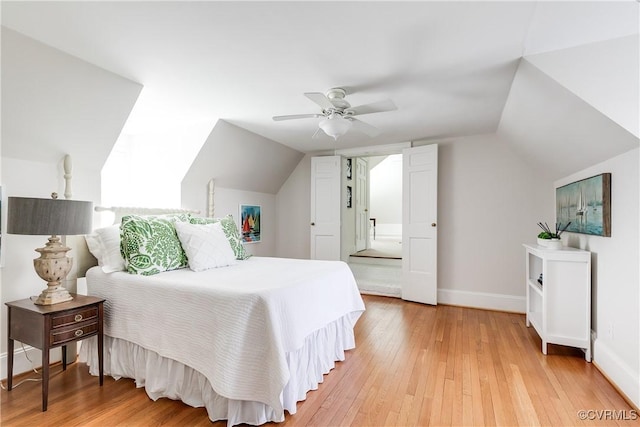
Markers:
163,377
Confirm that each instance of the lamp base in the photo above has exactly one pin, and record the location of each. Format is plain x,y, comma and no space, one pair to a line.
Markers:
53,266
53,296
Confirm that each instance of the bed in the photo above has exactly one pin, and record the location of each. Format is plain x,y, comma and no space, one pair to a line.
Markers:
247,341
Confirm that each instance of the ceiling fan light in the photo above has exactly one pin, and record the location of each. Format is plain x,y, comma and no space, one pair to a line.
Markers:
335,126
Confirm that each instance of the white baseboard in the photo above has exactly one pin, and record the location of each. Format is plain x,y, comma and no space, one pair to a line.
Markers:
483,300
622,375
20,362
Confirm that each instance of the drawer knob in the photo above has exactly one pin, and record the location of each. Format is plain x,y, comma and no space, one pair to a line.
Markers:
79,332
78,317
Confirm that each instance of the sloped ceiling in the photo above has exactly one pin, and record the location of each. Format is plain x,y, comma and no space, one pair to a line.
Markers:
447,65
555,129
557,25
603,74
72,108
239,159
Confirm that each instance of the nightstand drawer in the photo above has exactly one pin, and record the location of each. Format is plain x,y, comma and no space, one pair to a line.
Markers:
74,316
48,326
74,333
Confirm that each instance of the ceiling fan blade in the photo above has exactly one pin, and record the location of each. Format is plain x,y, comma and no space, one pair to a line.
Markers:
296,116
317,134
375,107
363,127
320,99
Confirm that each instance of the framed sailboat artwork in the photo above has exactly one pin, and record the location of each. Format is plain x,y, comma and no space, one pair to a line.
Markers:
250,216
586,204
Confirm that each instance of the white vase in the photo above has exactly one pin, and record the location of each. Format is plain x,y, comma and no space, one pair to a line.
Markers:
550,243
554,243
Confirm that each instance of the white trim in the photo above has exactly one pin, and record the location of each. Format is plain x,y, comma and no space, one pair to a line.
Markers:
20,362
374,150
617,371
511,303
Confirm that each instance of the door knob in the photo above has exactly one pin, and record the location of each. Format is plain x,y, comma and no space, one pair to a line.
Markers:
313,223
433,224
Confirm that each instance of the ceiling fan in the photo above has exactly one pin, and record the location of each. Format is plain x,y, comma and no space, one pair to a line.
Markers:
339,114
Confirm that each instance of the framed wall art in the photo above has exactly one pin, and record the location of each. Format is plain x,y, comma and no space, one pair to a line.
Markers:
250,223
586,205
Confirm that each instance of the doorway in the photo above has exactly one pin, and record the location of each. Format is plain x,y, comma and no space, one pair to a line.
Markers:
417,275
382,204
377,260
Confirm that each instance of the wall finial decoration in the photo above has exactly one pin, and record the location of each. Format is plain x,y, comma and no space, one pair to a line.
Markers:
210,207
67,176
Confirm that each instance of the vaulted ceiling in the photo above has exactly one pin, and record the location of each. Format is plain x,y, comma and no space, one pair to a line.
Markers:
448,66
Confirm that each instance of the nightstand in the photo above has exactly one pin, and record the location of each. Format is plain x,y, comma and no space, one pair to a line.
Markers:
48,326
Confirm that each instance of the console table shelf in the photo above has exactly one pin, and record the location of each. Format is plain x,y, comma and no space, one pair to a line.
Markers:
559,308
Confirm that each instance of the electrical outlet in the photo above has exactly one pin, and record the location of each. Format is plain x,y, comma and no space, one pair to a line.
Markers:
610,331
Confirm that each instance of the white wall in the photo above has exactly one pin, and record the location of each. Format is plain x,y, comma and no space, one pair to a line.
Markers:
616,274
571,110
151,161
294,216
247,169
52,104
227,201
19,279
293,203
489,202
385,183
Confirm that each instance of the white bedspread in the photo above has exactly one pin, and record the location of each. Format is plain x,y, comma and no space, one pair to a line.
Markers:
233,324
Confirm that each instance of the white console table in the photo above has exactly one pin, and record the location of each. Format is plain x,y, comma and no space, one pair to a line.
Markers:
559,308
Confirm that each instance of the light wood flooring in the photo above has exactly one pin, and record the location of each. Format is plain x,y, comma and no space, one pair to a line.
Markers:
414,365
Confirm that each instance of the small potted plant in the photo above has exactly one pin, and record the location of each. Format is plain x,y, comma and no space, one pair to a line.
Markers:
550,239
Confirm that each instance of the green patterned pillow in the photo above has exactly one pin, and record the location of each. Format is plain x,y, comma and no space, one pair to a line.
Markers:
150,244
230,230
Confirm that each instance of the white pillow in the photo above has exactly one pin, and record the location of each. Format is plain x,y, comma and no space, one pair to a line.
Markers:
206,245
104,244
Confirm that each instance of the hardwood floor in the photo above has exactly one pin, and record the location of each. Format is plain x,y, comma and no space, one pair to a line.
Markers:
414,365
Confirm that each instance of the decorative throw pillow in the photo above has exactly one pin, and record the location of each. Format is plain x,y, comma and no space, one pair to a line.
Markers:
230,230
206,245
150,245
104,244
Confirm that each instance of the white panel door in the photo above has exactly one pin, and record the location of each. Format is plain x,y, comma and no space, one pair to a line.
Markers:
362,204
325,207
419,224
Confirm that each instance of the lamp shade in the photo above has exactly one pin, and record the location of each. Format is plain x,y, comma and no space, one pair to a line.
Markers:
335,126
48,217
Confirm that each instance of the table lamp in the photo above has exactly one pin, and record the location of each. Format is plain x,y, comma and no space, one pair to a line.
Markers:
54,217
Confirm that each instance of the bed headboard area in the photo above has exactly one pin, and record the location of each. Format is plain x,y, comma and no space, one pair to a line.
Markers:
121,211
83,259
